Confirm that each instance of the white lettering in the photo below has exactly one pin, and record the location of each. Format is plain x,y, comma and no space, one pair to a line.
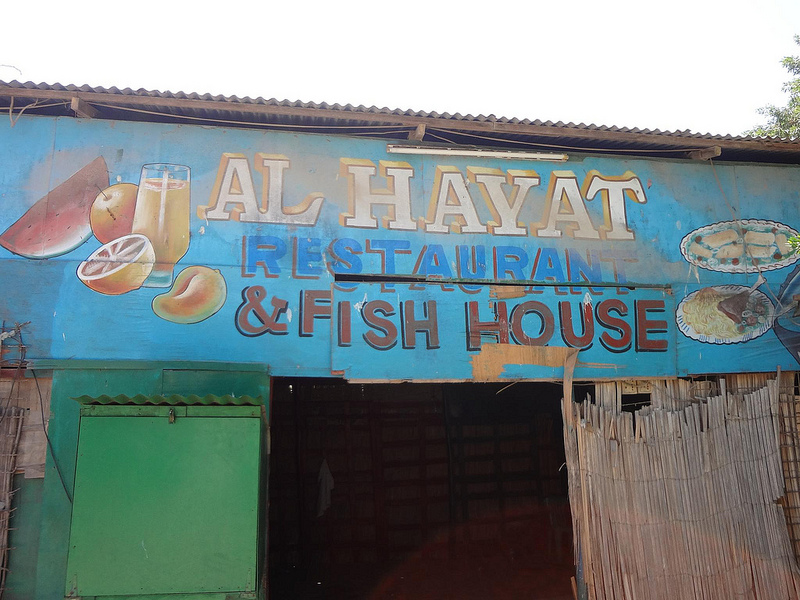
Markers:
505,209
563,192
450,198
396,196
613,191
233,194
306,212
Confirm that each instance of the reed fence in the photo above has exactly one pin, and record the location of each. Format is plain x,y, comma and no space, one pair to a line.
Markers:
685,498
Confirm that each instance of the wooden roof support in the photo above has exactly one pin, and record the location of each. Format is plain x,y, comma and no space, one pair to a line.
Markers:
705,153
418,134
83,109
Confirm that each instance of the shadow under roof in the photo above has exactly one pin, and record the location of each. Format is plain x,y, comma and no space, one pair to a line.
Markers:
394,125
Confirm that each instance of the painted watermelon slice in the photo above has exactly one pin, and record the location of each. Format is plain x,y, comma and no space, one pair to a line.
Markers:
59,221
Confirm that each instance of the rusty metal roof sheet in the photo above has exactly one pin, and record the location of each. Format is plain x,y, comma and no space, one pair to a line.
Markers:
385,123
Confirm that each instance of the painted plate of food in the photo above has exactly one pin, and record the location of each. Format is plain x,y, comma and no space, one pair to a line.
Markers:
746,246
725,314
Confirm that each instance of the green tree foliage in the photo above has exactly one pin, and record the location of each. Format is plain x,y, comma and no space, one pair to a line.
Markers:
784,122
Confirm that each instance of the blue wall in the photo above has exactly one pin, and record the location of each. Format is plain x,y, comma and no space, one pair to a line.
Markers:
306,253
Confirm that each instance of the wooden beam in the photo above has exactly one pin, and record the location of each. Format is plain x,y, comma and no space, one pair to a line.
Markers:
705,153
418,134
83,109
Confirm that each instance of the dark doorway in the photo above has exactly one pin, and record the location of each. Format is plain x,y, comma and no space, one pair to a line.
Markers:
438,491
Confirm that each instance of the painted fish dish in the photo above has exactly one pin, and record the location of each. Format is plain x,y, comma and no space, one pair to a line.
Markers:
702,315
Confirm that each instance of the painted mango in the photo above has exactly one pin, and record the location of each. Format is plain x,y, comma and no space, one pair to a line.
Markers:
198,293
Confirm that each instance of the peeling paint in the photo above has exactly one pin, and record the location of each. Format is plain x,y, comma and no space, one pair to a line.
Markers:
360,305
503,292
490,362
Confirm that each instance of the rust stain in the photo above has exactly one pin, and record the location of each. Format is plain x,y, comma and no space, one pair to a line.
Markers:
502,292
490,362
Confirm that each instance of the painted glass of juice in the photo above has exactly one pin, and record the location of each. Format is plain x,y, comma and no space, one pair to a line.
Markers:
162,214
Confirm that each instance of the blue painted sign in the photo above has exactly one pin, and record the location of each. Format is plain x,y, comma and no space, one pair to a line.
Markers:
326,255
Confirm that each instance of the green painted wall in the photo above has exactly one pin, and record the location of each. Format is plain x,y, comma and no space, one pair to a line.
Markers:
23,539
77,378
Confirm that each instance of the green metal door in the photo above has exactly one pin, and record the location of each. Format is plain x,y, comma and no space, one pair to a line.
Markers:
165,505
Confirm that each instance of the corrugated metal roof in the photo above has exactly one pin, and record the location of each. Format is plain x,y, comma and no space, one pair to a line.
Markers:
394,124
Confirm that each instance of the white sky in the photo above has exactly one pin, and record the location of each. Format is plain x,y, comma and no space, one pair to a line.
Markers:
704,65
